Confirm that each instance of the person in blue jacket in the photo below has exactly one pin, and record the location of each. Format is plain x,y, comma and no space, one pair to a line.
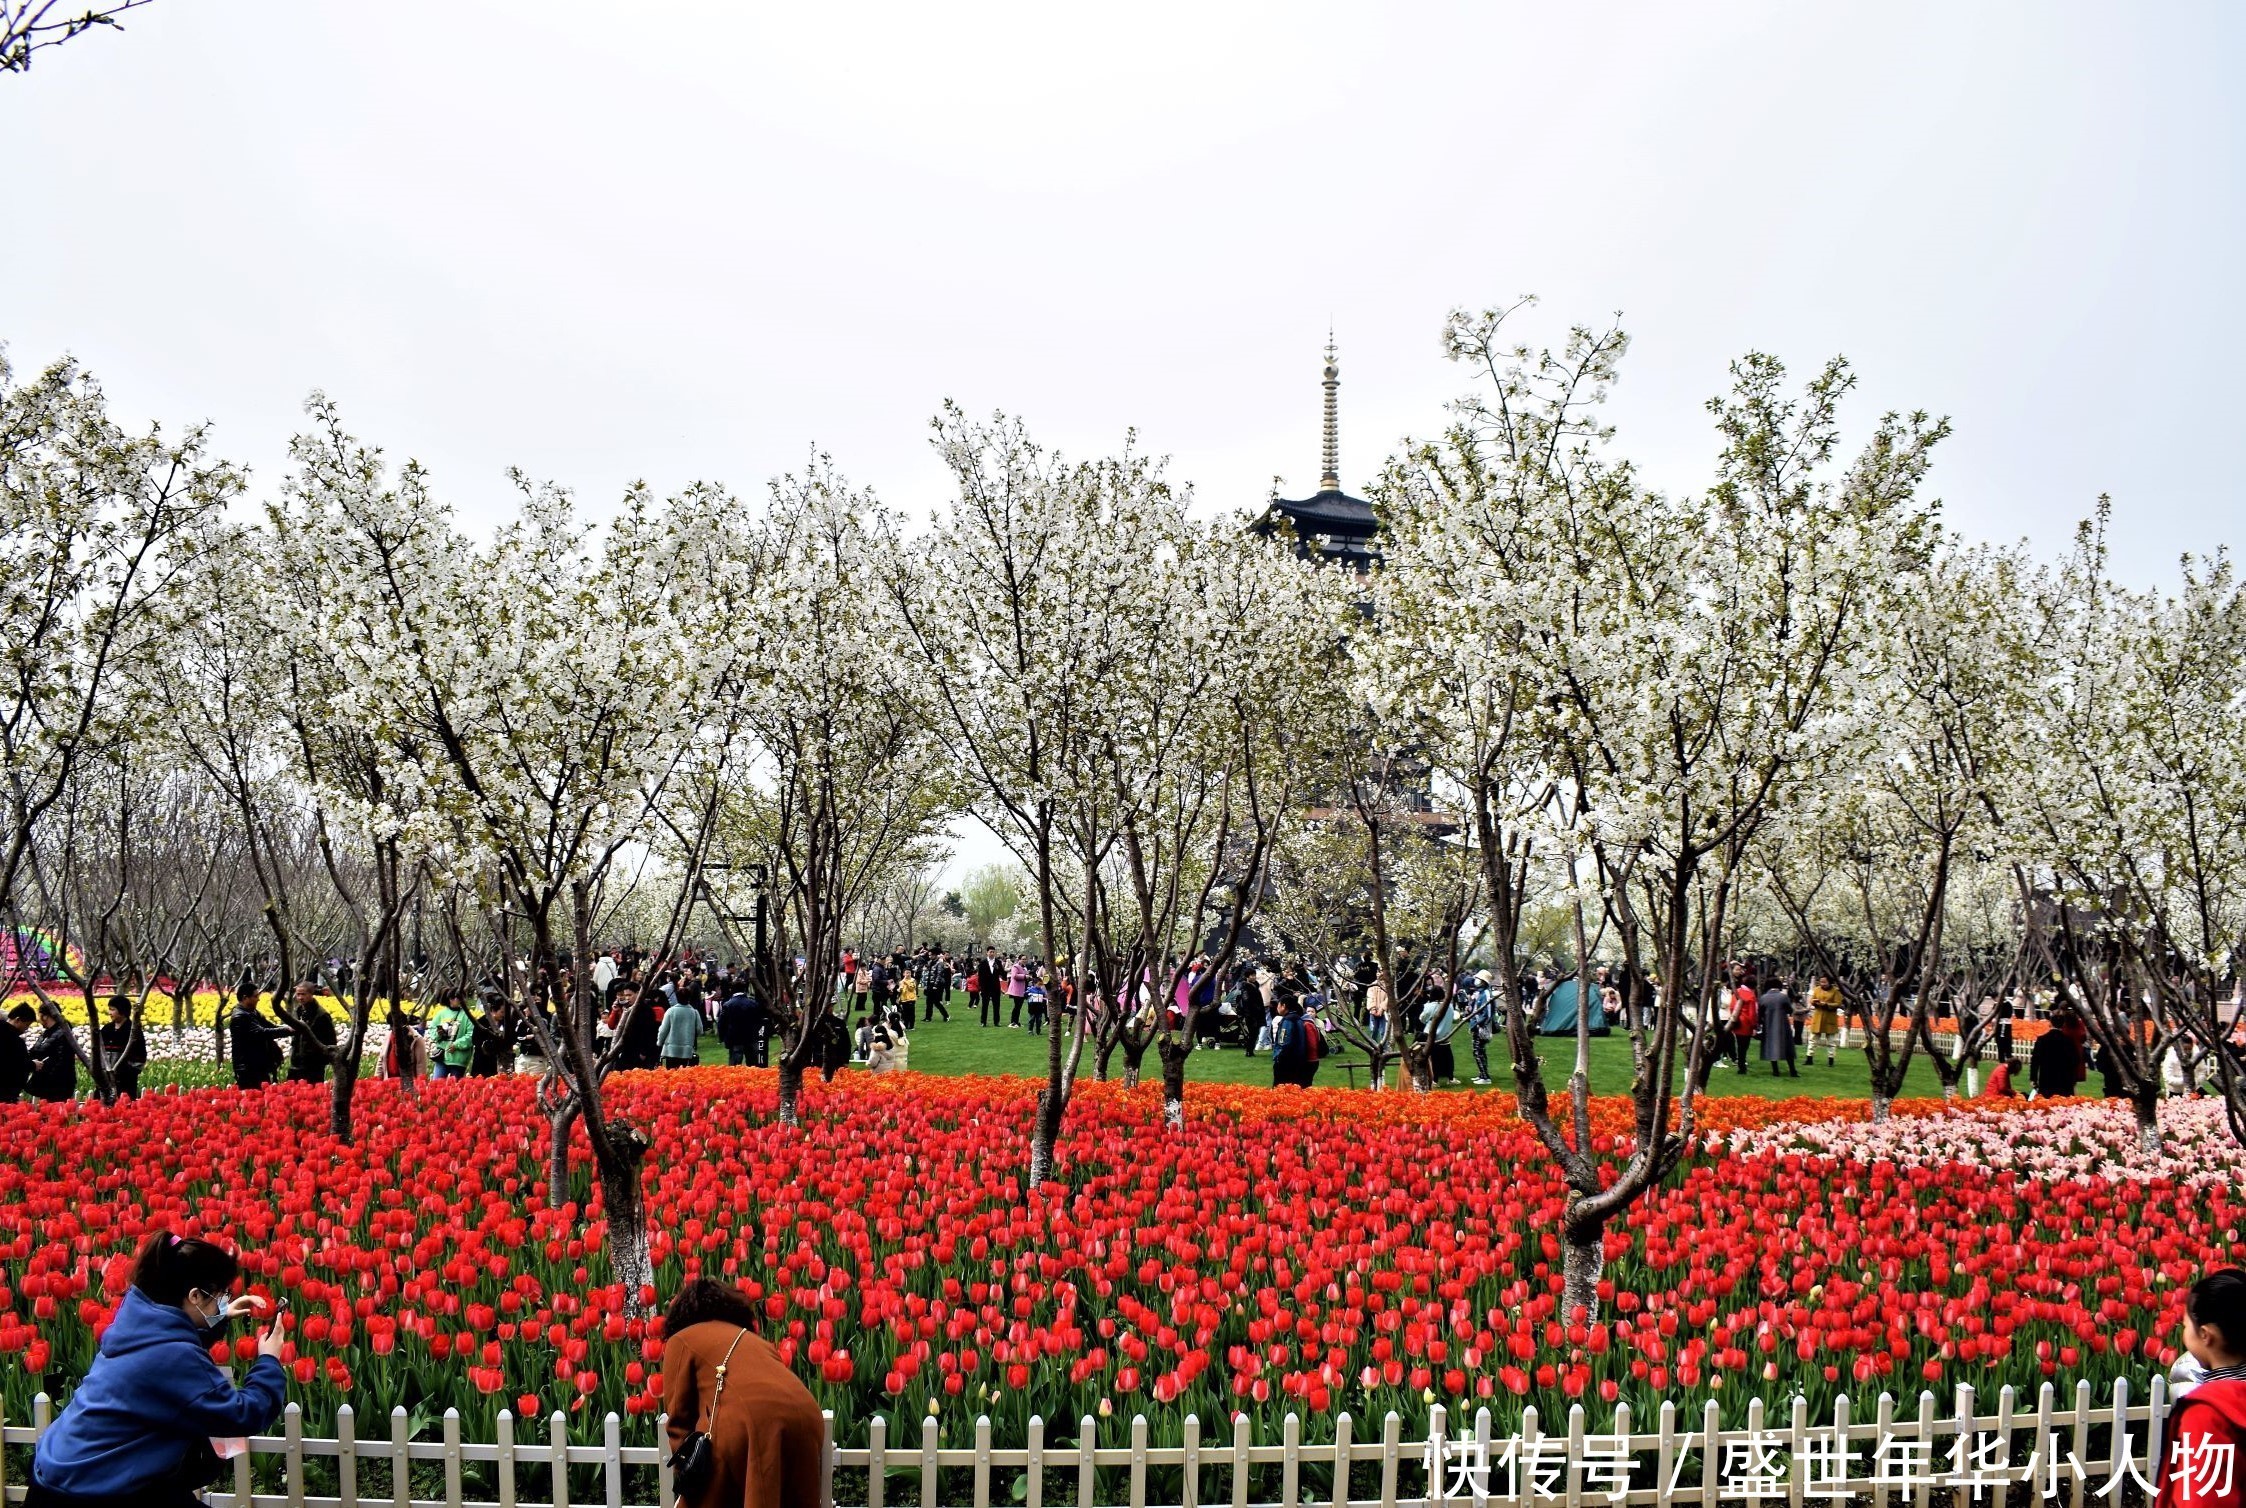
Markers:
137,1432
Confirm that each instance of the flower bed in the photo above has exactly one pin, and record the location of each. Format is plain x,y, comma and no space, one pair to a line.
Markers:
204,1007
1288,1252
2048,1140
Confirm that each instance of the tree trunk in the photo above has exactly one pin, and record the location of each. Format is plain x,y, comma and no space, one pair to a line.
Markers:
340,1092
557,1158
1950,1090
1133,1059
105,1087
625,1209
2147,1105
1044,1134
1882,1104
1417,1069
1173,1083
791,1088
1583,1258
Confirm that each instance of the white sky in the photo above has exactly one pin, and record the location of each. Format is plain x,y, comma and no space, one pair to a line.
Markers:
674,240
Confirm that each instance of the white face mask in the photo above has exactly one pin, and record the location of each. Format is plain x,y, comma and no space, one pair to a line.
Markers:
211,1316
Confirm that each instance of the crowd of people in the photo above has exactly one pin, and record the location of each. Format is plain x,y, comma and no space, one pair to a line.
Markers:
40,1054
655,1014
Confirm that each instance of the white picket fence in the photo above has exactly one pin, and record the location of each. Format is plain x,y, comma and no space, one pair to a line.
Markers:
1888,1460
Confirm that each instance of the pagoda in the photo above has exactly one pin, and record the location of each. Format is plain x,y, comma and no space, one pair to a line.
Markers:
1329,523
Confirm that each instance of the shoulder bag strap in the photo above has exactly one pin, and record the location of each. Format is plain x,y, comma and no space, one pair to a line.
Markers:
709,1416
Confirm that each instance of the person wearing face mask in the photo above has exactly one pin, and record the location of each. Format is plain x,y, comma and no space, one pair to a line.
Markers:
140,1429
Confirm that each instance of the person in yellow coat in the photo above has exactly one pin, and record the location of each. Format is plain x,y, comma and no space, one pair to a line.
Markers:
1824,1019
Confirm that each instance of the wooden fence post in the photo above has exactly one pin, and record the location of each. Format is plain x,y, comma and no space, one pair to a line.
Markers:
1191,1495
663,1493
612,1458
1665,1460
505,1464
557,1445
1886,1419
1575,1456
2080,1488
292,1452
1711,1453
452,1458
1341,1461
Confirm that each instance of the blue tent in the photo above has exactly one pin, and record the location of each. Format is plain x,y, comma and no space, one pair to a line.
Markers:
1559,1010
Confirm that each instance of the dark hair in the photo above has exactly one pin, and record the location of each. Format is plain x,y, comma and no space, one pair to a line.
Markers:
170,1267
700,1300
120,1003
2219,1300
23,1013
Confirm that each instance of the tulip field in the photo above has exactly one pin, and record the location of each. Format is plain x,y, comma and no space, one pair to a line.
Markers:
1288,1252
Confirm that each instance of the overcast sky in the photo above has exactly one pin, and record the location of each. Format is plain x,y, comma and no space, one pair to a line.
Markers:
671,240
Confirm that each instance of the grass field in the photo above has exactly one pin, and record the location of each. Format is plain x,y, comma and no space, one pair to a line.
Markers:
962,1046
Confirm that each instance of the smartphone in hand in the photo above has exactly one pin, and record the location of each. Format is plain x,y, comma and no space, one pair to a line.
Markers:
269,1339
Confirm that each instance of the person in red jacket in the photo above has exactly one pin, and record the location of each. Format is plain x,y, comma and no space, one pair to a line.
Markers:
1745,1013
2201,1465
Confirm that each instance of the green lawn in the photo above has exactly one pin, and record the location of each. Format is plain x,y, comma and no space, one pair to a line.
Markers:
962,1046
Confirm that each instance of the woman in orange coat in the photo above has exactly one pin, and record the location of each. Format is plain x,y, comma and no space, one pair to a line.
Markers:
765,1429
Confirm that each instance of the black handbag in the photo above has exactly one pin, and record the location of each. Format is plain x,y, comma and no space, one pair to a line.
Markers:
695,1461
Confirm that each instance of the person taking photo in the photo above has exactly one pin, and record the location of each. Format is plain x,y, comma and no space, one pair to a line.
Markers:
139,1431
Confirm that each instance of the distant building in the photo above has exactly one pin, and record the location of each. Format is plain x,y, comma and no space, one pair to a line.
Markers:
1330,522
1335,526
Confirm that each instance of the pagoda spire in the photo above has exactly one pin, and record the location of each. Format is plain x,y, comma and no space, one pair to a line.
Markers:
1330,479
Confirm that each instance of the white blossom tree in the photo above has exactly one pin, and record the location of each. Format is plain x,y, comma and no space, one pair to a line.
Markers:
524,694
2132,830
1683,666
1205,764
1023,626
89,517
1910,824
846,786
